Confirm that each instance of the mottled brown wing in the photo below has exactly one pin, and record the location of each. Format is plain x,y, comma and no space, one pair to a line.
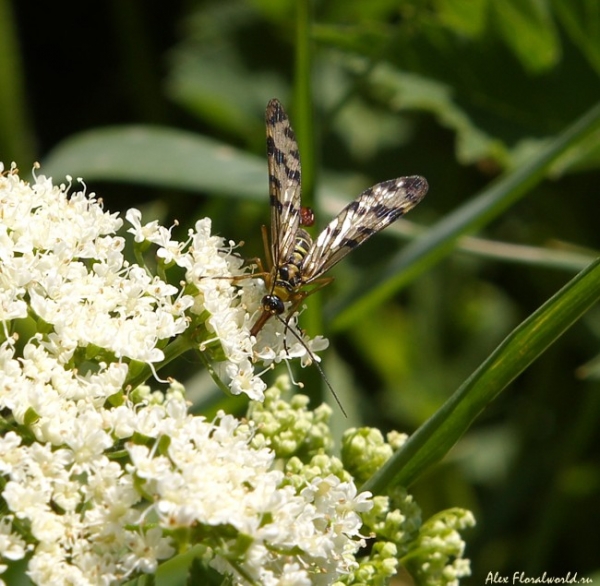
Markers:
284,182
372,211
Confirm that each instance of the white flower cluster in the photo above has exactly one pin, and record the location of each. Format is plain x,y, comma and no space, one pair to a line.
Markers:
60,259
211,268
100,483
211,478
82,507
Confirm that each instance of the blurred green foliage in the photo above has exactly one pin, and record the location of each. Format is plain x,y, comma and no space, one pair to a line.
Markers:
161,107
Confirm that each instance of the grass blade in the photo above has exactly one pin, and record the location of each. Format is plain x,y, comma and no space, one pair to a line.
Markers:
520,348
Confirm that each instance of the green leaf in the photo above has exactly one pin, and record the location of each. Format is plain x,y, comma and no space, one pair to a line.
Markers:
216,81
526,27
159,157
467,18
498,106
528,341
405,91
366,38
582,23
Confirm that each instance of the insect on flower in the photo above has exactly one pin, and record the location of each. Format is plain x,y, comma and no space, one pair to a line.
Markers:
294,260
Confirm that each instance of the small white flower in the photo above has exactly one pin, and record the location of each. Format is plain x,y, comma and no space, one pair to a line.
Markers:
243,380
27,497
12,547
146,550
141,233
9,452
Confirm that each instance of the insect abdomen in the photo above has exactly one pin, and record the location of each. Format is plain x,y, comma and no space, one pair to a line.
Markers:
289,276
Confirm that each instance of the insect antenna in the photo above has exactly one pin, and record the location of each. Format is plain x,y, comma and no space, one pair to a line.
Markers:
314,360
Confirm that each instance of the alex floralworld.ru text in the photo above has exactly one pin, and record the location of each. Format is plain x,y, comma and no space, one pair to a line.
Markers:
522,578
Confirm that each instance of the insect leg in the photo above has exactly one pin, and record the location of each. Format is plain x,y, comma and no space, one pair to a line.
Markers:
300,296
265,239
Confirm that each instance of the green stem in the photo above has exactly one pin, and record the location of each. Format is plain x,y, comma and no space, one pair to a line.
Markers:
303,121
177,347
304,127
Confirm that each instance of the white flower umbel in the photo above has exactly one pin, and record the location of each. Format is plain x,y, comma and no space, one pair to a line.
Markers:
63,264
104,493
101,478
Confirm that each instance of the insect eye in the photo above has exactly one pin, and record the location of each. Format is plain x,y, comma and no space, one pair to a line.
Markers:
273,304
